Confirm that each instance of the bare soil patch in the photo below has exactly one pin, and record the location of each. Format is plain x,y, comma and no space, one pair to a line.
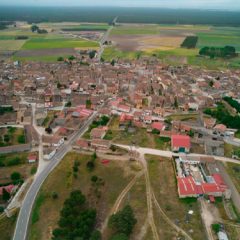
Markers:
45,52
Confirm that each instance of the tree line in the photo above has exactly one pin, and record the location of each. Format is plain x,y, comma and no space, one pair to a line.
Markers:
224,52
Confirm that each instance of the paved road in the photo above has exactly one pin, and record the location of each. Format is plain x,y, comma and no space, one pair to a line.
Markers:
235,194
104,39
21,229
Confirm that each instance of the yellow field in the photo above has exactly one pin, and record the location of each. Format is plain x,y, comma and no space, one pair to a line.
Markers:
11,45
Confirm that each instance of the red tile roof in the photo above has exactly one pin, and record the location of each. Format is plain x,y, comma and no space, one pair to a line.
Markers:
158,125
181,141
187,186
8,188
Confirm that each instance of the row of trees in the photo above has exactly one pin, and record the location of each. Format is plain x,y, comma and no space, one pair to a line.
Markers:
223,116
233,103
35,28
212,52
77,220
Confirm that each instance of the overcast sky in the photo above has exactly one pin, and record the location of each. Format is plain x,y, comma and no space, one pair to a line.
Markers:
206,4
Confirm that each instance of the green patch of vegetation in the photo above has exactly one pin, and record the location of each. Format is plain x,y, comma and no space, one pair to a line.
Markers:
77,220
216,227
5,110
42,43
233,103
36,209
7,226
212,52
162,143
223,116
190,42
122,222
12,159
88,27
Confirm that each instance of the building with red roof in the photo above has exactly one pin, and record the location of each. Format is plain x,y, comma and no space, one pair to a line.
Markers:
180,143
8,188
158,126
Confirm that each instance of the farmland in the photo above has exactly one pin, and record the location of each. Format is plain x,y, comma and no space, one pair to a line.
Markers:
40,43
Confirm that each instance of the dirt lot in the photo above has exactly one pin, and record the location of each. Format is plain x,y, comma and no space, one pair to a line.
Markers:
146,43
45,52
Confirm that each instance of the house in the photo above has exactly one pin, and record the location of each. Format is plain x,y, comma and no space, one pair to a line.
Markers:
52,141
220,128
32,158
99,144
180,143
124,108
8,188
81,144
98,133
187,187
158,126
48,153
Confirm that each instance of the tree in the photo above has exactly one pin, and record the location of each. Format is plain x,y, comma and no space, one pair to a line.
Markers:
96,235
94,179
216,227
5,195
88,104
6,138
34,28
120,236
60,59
71,58
48,130
113,62
15,176
54,195
90,165
68,104
155,131
92,54
123,221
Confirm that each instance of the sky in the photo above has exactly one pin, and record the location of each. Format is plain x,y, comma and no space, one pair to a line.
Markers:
198,4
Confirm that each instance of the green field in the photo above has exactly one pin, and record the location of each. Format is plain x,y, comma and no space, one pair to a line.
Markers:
136,30
87,27
214,39
41,43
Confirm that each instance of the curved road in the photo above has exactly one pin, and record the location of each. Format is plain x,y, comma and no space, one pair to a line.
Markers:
21,229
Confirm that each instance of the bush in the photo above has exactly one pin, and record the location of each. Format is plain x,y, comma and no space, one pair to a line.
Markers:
155,131
15,176
33,170
60,59
90,166
120,236
1,209
54,195
94,179
216,227
123,221
21,139
13,162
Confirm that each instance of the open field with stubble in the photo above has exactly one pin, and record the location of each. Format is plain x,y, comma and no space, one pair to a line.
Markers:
116,176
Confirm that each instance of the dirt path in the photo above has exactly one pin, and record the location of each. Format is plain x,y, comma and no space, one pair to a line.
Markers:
149,199
120,198
168,220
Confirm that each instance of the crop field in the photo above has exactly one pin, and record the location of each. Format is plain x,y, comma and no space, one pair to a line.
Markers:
11,45
41,43
87,27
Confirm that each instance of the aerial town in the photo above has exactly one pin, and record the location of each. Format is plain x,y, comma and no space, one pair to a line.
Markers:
114,126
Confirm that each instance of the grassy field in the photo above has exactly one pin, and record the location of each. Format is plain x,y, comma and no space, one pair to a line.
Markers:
87,27
39,58
234,172
11,45
140,137
62,181
12,136
14,162
41,43
7,226
163,183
